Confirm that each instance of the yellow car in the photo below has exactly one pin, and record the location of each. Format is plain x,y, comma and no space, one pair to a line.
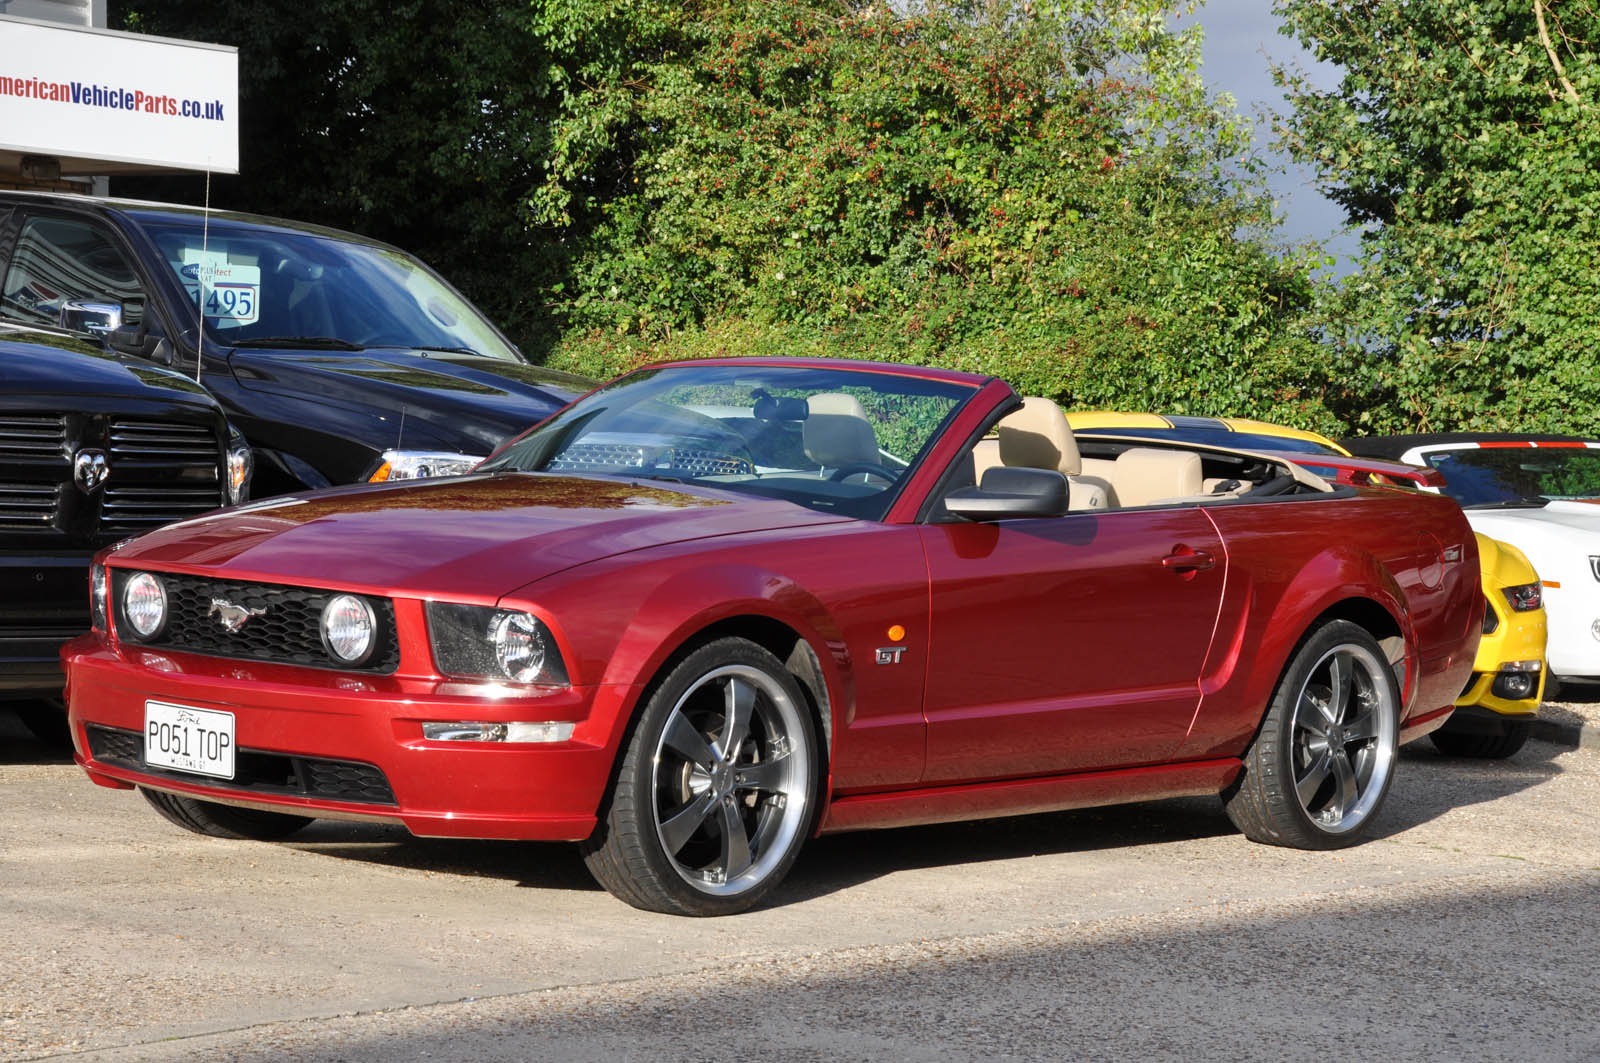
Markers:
1495,713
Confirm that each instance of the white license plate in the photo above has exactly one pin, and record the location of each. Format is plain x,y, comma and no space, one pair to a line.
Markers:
187,739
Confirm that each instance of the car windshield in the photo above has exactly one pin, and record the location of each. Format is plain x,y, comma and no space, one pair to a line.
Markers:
835,440
1518,475
281,288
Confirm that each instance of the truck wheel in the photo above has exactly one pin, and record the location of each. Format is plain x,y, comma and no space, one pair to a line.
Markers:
715,793
223,821
1321,764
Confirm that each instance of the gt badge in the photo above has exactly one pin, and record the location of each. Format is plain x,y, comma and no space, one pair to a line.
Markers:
890,654
89,470
233,617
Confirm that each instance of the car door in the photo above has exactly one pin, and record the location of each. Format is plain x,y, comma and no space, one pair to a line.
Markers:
1067,643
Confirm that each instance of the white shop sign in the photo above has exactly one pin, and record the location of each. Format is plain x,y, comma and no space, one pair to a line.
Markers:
125,98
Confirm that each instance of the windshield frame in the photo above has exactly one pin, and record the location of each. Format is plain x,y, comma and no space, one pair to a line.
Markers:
533,452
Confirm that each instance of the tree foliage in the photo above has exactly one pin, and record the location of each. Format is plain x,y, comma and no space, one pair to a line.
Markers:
1037,191
1465,137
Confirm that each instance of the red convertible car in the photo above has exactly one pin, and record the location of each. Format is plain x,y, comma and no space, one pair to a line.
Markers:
715,608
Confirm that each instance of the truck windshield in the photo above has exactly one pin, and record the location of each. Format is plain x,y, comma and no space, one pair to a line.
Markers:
255,286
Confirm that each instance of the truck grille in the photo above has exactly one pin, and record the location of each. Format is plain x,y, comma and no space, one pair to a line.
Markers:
288,630
158,472
256,771
28,507
26,437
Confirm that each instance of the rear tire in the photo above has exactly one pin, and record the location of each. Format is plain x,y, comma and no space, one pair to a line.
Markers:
1482,746
1320,766
717,787
223,821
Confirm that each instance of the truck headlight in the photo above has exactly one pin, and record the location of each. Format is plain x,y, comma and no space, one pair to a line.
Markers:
500,645
421,464
241,466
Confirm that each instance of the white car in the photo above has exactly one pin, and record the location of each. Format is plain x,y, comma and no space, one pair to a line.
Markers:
1540,493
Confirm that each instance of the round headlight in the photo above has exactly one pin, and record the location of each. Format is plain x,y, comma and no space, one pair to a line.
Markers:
519,646
348,628
144,603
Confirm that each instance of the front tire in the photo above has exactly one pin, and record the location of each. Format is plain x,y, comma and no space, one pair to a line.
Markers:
1482,746
223,821
1322,762
716,790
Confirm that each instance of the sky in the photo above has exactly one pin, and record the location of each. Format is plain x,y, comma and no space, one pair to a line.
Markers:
1241,37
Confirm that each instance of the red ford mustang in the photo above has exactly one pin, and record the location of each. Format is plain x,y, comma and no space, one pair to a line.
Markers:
714,608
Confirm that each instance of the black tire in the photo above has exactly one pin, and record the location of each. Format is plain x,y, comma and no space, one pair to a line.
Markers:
47,719
1483,746
689,830
1320,766
223,821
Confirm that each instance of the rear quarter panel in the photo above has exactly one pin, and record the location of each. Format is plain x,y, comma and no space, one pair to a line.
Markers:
1295,560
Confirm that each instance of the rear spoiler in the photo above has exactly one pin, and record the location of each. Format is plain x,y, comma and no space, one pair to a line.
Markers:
1368,472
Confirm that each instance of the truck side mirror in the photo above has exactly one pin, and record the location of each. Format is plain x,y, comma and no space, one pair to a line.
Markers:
84,315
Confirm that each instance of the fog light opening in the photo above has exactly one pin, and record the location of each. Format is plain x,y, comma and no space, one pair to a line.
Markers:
484,731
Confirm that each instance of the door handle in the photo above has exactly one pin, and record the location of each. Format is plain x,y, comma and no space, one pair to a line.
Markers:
1185,560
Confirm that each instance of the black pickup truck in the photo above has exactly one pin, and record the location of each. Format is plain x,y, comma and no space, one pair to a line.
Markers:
94,448
341,359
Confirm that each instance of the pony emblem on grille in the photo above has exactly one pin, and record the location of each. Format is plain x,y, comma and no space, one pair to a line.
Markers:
233,617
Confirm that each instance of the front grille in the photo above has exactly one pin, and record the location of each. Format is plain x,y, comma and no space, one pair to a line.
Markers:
132,510
162,440
256,771
28,507
25,437
161,472
287,631
603,457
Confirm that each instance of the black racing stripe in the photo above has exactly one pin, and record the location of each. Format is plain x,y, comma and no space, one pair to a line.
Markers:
1198,422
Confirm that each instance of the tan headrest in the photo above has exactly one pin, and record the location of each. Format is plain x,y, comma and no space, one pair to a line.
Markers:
1038,437
837,402
838,439
1145,474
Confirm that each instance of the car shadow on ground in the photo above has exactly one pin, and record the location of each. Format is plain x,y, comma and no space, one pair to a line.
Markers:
1427,786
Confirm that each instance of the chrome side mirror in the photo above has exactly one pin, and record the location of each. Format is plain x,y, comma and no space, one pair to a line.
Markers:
97,319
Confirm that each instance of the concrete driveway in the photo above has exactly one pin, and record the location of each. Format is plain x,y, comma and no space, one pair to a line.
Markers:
1149,932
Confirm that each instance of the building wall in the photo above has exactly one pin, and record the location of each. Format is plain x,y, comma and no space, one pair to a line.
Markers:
73,12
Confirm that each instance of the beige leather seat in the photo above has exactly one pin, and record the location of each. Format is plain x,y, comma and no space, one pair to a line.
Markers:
837,432
1146,476
1038,437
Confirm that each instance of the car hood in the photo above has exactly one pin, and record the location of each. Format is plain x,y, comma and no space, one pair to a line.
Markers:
33,368
484,400
1577,516
467,538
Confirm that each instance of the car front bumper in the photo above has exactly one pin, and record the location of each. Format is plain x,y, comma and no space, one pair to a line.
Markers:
339,746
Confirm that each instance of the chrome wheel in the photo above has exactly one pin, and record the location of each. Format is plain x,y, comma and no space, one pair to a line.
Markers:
730,780
1342,743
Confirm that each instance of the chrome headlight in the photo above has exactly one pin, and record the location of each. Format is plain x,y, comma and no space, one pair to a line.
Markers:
500,645
144,605
421,464
241,466
349,629
97,597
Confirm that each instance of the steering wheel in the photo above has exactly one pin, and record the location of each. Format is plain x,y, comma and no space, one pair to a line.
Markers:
865,467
